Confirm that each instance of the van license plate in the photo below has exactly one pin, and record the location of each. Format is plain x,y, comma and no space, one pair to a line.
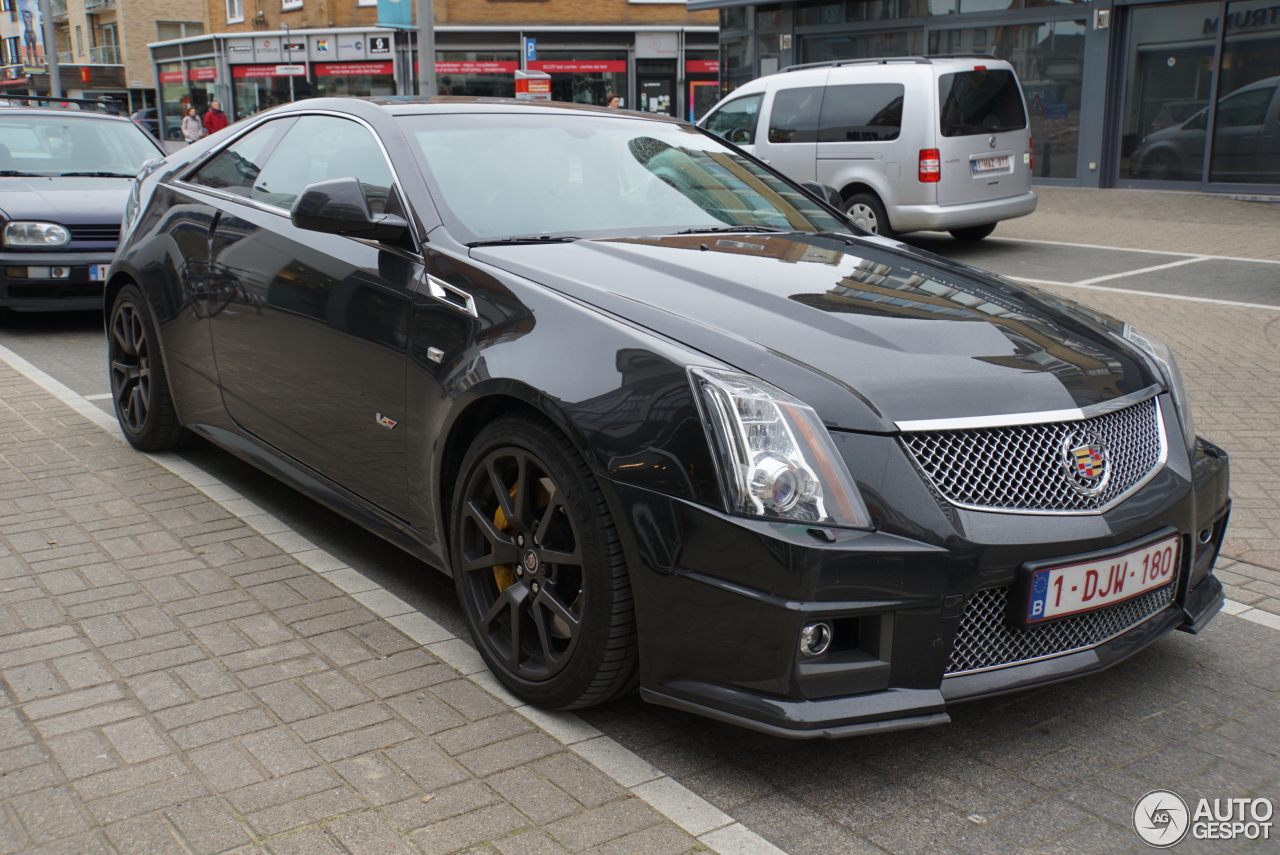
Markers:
98,272
1060,591
991,164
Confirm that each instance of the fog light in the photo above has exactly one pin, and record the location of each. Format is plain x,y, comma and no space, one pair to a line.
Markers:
815,638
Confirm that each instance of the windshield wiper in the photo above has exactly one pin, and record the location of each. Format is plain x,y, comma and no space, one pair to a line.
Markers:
714,229
17,173
525,239
96,175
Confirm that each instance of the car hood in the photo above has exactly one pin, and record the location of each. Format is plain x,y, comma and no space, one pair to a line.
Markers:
866,332
80,200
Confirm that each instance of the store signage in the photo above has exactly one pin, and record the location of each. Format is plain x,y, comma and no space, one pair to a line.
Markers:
476,67
172,77
291,46
268,70
379,44
554,66
702,66
657,45
1249,19
204,74
333,69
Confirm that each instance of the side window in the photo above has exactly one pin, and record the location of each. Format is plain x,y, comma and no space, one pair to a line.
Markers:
794,116
320,148
736,121
1244,109
236,167
863,112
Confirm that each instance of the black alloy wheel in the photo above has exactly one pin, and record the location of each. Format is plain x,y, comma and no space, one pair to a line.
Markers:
539,569
139,388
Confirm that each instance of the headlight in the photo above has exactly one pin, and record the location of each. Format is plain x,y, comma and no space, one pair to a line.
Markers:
1168,366
775,457
40,235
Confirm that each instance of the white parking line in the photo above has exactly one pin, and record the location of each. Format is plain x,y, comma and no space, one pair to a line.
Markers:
1131,249
1141,270
1137,293
711,827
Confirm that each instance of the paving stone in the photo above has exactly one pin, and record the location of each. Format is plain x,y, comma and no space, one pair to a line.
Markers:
533,796
414,814
579,779
136,740
308,811
505,755
278,752
206,828
225,768
480,826
376,780
48,815
603,824
366,834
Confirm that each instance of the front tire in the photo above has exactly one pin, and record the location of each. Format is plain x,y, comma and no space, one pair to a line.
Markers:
539,568
867,212
139,387
973,233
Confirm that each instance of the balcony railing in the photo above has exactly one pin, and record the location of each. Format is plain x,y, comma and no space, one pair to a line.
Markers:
58,9
105,55
90,5
66,57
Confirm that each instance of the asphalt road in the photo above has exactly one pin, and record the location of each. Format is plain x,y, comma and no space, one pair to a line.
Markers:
776,787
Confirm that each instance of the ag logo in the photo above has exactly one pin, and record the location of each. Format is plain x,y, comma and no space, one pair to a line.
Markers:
1161,818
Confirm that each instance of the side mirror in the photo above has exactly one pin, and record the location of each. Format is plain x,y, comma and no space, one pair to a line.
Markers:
339,207
826,193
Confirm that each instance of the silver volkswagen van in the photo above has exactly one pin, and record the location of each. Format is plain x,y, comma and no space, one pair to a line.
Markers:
937,143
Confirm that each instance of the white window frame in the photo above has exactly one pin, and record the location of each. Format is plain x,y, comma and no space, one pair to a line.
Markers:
366,2
235,11
290,5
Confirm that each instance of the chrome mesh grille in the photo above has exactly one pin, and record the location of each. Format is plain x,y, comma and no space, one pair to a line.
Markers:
1023,467
985,639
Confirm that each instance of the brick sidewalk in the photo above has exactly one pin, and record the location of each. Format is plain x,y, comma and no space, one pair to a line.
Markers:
1155,220
174,680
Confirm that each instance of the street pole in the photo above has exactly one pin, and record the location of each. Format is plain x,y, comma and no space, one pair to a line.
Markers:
50,49
426,19
288,59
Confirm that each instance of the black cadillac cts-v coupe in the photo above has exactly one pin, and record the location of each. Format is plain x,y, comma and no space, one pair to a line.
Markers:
667,419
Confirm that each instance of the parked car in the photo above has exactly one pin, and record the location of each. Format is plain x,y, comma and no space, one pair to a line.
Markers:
666,418
64,179
911,143
149,120
1246,146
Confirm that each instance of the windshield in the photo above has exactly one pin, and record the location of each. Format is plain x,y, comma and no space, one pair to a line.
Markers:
503,175
56,144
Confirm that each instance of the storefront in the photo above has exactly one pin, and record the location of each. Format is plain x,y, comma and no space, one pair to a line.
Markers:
672,70
1140,94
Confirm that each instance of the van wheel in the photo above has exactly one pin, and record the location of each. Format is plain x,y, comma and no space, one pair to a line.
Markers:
868,214
973,233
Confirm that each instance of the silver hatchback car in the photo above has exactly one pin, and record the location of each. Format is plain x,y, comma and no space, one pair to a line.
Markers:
935,143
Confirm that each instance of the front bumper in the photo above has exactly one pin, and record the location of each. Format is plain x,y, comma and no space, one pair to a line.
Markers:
918,218
77,292
721,600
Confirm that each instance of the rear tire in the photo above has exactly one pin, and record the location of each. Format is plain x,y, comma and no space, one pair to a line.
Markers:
539,568
867,212
139,387
973,233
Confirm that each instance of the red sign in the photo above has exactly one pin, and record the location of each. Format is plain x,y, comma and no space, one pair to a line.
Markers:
475,67
86,74
333,69
578,65
204,74
702,66
172,77
256,71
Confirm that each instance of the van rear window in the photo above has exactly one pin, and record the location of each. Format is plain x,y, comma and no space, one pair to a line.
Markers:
980,102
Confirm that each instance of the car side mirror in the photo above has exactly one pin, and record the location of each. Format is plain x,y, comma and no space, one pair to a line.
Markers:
339,207
826,193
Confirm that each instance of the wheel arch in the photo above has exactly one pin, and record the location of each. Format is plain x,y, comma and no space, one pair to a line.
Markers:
111,290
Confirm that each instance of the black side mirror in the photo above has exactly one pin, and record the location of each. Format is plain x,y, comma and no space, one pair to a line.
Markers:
826,193
339,207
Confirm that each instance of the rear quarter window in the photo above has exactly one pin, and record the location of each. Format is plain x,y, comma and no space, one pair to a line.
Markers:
794,115
980,102
862,112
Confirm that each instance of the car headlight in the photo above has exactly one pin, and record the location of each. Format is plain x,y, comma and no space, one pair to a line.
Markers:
33,234
1162,356
775,457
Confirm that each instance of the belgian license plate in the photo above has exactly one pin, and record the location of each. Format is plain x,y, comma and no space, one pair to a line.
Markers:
98,272
1076,588
991,164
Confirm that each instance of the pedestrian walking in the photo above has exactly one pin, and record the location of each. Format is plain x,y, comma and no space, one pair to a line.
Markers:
215,120
614,100
192,129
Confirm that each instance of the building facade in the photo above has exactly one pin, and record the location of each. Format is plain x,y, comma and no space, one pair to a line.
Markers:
1121,93
654,53
101,45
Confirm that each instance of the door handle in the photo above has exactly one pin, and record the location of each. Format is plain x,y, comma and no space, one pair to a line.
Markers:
456,297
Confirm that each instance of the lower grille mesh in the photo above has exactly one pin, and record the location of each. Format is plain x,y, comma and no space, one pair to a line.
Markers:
985,640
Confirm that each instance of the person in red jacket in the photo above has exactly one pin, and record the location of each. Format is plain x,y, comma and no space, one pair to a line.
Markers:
214,119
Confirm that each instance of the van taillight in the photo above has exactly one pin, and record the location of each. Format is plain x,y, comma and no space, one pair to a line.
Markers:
1031,153
930,165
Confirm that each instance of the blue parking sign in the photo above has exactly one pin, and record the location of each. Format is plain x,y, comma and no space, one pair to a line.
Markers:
530,50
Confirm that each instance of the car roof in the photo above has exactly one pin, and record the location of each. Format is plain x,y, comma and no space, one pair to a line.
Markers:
59,111
415,106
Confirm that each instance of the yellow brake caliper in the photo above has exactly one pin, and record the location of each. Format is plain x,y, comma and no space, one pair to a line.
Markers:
505,574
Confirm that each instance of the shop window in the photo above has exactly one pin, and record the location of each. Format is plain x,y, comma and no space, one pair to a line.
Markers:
826,13
1246,136
769,18
733,18
736,66
861,112
794,116
863,45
